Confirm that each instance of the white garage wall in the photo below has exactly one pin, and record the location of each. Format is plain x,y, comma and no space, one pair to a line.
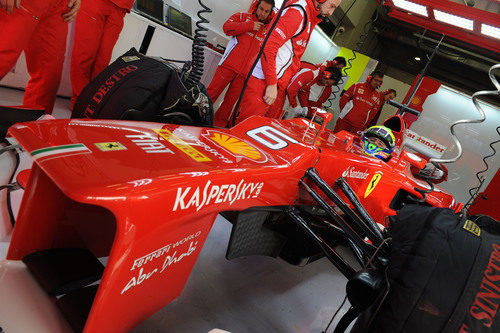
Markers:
443,108
221,11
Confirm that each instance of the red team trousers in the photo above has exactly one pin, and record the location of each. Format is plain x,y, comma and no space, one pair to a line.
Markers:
222,77
38,29
97,27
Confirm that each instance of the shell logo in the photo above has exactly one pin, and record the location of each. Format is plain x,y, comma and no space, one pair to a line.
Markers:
237,147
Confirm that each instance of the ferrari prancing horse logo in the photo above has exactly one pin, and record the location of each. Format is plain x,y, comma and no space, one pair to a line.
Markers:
110,146
373,183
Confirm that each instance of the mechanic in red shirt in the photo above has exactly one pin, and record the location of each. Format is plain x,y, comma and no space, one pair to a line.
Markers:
359,104
40,28
276,110
280,60
387,96
312,88
97,27
247,31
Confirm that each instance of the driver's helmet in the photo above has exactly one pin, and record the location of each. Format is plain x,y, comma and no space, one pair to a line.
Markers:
378,141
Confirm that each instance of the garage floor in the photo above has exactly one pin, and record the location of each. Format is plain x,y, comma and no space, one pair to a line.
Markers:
249,294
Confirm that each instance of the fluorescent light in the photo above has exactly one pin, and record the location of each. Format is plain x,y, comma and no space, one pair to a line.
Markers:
278,3
417,58
453,20
411,7
490,30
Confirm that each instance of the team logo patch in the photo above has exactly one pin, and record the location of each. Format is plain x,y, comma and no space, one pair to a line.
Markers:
373,183
182,145
472,228
110,146
237,147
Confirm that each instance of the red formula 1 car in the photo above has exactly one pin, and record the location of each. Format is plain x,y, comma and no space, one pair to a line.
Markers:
145,195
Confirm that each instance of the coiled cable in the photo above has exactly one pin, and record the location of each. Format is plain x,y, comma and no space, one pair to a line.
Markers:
334,92
362,39
471,121
198,48
473,192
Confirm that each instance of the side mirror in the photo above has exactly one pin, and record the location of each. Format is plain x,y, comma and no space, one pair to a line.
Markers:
414,160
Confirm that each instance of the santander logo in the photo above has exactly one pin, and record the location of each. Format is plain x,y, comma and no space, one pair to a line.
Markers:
352,173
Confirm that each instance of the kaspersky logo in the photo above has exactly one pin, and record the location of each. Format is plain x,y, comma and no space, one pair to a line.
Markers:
236,147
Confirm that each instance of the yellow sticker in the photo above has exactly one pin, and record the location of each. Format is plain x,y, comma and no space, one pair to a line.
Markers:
373,183
472,227
110,146
236,146
182,145
130,58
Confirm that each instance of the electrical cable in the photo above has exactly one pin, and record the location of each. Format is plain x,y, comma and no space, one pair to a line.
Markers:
362,39
334,315
475,190
475,97
198,48
342,18
368,263
334,92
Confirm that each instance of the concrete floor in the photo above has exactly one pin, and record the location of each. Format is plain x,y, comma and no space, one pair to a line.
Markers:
249,294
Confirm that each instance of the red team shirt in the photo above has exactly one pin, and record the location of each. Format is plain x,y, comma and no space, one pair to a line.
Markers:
280,60
244,44
287,43
305,87
366,102
125,4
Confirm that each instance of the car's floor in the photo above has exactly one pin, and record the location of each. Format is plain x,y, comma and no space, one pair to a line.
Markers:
249,294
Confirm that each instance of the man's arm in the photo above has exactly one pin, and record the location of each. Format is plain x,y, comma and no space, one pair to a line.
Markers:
346,96
297,83
237,25
324,97
288,24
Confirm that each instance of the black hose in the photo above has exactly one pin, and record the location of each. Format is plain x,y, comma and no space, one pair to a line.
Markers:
423,192
198,48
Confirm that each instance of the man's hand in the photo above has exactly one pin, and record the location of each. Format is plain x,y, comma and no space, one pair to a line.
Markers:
270,94
73,6
257,25
8,5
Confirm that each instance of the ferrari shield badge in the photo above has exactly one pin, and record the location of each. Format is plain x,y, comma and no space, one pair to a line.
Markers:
373,183
110,146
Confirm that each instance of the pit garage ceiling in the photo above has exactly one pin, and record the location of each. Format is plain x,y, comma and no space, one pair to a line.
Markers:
408,30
